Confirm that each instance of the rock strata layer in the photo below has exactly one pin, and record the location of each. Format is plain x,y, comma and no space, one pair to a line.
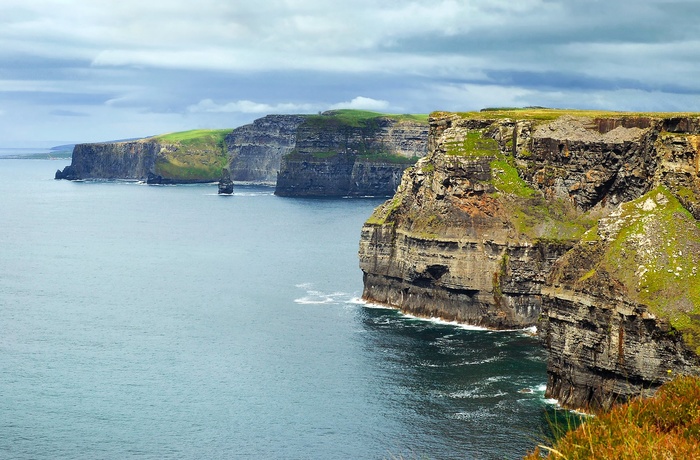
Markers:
116,160
256,150
583,224
338,153
337,156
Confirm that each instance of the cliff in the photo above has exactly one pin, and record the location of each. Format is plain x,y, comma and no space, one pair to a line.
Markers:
582,223
184,157
255,150
351,153
339,153
118,160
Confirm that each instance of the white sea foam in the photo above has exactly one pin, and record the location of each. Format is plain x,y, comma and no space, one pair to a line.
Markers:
315,297
443,322
476,415
480,361
374,305
252,193
476,393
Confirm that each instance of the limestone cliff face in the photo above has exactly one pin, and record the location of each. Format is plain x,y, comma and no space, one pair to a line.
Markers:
255,150
619,313
338,153
339,156
545,220
251,153
116,160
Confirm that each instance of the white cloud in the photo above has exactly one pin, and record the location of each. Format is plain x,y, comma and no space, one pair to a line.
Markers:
209,106
252,107
362,103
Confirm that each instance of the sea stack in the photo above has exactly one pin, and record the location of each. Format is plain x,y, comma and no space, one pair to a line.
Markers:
225,183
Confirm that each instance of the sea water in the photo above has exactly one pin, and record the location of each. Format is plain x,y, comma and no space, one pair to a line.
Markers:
168,322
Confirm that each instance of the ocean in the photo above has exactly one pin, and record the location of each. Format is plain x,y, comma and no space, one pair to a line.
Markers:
159,322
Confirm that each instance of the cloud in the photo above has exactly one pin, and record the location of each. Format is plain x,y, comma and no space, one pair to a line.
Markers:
142,65
244,106
67,113
362,103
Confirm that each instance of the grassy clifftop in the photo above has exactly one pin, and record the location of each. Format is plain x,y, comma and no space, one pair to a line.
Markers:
359,118
195,155
548,114
361,134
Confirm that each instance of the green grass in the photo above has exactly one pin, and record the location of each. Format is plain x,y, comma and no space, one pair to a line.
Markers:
531,214
474,145
382,213
656,255
547,114
324,155
666,426
196,137
507,180
359,118
552,220
387,158
195,155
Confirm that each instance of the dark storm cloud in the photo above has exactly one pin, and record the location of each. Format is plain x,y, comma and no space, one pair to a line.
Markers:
569,81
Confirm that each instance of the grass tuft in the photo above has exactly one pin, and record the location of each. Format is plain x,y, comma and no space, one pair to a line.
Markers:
666,426
475,144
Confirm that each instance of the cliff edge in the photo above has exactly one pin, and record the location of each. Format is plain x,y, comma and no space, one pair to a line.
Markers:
584,224
337,153
183,157
351,153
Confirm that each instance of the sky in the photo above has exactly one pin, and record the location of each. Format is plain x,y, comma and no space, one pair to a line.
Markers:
96,70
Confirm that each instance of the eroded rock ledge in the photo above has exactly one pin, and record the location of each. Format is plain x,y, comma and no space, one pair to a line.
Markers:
584,224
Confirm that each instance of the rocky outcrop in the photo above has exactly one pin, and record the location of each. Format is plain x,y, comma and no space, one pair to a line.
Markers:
196,158
619,308
337,155
132,160
225,183
255,150
544,218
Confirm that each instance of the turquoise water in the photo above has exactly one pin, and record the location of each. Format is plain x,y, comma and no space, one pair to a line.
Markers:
168,322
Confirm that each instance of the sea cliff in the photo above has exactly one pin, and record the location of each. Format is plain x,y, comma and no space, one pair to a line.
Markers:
584,224
183,157
337,153
256,150
117,160
351,153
